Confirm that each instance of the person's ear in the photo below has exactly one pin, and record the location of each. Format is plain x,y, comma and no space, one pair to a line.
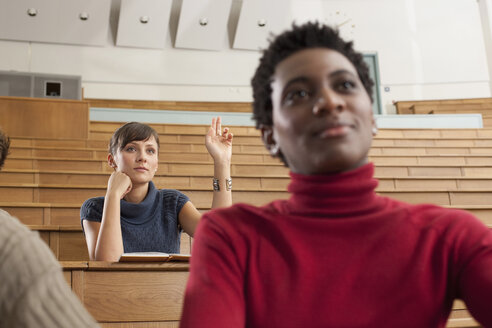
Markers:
268,138
111,161
374,127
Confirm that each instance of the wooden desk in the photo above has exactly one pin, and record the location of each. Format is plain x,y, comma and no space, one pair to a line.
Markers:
130,294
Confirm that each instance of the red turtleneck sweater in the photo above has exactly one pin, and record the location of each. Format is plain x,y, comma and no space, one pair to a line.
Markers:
337,255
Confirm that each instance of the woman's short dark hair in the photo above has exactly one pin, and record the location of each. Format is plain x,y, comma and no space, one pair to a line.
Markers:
300,37
4,147
129,132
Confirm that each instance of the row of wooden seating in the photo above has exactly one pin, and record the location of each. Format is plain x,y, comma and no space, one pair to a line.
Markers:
254,181
482,144
67,214
52,193
447,168
200,154
481,106
165,129
405,107
377,155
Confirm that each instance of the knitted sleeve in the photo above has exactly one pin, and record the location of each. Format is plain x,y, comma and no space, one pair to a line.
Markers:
182,200
91,210
33,292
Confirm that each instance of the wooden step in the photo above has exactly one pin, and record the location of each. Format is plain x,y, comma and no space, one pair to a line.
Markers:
241,153
58,214
251,182
203,198
449,169
201,130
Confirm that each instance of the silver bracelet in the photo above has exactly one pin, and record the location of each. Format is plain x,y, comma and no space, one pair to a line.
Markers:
215,184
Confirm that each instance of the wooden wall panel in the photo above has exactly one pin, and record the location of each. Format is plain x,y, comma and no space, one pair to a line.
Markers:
44,118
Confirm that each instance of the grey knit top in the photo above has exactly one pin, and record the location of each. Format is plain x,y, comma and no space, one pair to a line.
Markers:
149,226
33,291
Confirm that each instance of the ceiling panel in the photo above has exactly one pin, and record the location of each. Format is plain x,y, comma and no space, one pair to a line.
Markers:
203,24
143,23
259,18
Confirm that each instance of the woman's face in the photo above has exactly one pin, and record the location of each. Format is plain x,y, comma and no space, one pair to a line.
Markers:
322,115
138,160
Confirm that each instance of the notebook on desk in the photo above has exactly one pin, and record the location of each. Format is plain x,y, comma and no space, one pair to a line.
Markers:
153,257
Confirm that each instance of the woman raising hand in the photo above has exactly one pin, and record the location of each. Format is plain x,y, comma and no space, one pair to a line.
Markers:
135,216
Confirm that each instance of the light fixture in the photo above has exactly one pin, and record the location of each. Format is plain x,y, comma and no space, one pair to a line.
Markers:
84,16
32,12
203,21
262,22
144,19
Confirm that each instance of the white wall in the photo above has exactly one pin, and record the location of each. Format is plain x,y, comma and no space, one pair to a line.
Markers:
427,49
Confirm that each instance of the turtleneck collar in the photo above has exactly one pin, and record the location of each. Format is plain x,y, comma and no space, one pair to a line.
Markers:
143,211
338,195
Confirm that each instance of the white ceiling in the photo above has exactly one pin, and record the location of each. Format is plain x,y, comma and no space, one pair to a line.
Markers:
196,24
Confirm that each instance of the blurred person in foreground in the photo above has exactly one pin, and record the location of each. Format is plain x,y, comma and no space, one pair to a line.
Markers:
335,254
33,291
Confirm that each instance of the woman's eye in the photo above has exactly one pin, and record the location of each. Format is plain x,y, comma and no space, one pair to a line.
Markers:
130,148
151,151
347,85
296,95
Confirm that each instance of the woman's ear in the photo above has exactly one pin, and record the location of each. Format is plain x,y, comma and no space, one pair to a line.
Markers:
111,161
374,127
269,140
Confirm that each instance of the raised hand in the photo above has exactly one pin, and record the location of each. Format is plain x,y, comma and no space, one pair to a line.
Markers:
219,142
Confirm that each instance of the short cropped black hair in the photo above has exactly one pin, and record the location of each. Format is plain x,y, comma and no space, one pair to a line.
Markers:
129,132
300,37
4,147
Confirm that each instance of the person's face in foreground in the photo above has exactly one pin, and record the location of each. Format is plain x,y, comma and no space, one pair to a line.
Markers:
322,115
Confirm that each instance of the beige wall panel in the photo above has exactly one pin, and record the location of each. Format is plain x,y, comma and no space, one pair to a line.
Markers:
421,184
471,198
16,177
27,215
389,171
414,142
435,171
477,172
394,160
439,198
259,170
383,143
438,160
16,194
448,151
43,118
402,151
63,195
65,216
